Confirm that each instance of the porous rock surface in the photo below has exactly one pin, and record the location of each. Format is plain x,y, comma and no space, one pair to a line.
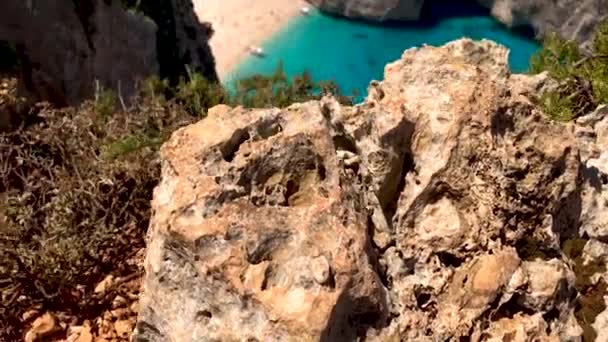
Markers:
435,210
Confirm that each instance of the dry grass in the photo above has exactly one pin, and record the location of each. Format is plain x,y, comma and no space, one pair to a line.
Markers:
76,190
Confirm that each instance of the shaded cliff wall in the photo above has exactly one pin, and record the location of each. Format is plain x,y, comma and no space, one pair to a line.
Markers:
65,46
180,39
572,19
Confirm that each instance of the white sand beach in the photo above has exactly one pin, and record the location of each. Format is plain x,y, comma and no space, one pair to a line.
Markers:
239,24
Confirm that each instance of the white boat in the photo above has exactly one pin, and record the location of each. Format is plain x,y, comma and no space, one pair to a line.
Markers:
305,10
257,51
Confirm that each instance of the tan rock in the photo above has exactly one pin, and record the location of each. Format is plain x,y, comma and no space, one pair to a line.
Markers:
123,328
119,301
440,201
28,315
134,307
120,312
42,327
289,267
105,284
520,328
80,334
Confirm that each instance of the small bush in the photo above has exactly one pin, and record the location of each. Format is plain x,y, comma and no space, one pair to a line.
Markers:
105,103
197,94
276,90
582,79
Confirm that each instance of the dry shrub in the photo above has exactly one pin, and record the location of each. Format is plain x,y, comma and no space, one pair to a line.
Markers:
76,190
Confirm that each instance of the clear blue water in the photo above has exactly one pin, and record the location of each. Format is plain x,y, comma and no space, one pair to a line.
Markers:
353,53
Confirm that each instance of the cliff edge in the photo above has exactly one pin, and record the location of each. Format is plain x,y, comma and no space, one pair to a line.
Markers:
445,206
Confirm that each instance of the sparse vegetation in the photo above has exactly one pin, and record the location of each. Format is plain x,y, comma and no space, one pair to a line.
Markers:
105,103
277,90
582,78
77,184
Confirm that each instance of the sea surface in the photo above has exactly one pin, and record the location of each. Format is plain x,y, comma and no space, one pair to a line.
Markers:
352,53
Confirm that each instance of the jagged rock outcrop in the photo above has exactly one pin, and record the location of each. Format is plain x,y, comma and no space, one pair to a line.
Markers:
435,210
377,10
572,19
66,46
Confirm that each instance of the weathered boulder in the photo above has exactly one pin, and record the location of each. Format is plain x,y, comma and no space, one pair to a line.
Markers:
259,233
435,210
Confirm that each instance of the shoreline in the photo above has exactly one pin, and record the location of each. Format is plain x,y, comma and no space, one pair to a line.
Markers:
239,24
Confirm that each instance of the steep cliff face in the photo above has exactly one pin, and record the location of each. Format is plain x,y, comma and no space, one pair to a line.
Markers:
573,19
66,46
378,10
440,208
180,39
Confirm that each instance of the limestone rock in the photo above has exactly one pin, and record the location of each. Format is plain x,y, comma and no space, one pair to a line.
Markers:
572,19
377,10
105,284
259,233
435,210
80,334
601,325
592,133
42,327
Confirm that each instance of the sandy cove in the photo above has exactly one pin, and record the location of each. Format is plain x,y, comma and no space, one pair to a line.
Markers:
239,24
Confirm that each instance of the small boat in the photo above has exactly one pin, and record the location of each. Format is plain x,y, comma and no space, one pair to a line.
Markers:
305,10
257,51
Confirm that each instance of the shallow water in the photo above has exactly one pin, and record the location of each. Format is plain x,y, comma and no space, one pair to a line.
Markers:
353,53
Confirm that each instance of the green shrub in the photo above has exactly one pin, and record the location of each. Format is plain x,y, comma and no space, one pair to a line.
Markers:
105,103
582,79
197,94
276,90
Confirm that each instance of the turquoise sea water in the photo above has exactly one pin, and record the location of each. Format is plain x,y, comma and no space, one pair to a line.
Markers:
353,53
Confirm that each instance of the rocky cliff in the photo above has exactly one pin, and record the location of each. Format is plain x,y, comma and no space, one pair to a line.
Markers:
573,19
446,206
65,46
379,10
